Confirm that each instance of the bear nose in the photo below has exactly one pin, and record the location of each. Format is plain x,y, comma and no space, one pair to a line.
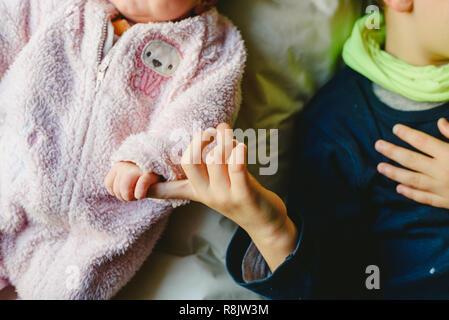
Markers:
156,63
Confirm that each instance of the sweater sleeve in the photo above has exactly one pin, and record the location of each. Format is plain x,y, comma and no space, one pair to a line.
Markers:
211,97
14,15
18,20
325,204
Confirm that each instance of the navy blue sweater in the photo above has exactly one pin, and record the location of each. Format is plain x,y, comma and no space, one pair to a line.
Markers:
349,216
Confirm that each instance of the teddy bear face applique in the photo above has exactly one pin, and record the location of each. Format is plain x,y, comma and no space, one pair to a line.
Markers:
159,61
161,57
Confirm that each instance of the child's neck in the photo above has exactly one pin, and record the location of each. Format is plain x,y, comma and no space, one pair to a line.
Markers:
412,53
407,48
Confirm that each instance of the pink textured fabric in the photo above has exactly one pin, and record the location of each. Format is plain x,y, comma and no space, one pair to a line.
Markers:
69,113
3,283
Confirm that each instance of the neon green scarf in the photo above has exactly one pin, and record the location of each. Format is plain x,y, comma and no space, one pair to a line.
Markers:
362,52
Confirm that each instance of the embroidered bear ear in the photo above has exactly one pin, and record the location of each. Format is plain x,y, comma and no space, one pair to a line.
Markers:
161,57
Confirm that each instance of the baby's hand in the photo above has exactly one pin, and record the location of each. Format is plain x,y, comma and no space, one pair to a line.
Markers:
128,182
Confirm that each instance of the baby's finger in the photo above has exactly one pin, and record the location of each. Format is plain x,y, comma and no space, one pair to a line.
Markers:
109,181
406,177
127,186
142,185
422,197
116,187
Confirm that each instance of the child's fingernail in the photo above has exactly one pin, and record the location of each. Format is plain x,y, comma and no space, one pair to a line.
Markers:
399,189
381,168
396,129
379,146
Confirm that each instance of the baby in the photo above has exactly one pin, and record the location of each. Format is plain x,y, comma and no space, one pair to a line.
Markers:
99,100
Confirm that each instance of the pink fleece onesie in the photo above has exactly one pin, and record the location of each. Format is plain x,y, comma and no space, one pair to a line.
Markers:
69,112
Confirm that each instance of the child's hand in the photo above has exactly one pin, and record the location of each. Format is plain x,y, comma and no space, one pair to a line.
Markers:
128,182
224,184
428,183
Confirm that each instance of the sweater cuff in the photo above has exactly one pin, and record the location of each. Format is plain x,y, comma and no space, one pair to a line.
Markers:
291,280
147,153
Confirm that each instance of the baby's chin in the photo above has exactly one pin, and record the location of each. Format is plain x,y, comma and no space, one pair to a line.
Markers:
144,11
155,18
139,17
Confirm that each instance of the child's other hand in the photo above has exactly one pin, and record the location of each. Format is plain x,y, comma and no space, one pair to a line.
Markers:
427,181
224,184
128,182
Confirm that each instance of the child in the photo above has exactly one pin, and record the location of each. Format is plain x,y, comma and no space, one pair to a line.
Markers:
90,87
348,233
